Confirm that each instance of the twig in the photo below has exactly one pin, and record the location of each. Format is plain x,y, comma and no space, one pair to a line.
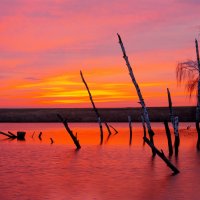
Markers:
113,129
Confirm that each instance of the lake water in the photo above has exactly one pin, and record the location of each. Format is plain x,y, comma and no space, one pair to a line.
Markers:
35,169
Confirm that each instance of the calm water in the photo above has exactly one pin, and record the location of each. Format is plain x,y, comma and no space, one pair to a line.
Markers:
36,169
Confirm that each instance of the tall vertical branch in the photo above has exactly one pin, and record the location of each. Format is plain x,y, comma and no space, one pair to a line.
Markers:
145,113
130,129
175,122
95,109
170,104
101,131
198,95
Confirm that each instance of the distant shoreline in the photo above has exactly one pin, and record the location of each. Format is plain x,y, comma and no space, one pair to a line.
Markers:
156,114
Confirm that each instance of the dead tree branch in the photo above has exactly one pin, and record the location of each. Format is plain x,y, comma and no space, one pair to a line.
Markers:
74,138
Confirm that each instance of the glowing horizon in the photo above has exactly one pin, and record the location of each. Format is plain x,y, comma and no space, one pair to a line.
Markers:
44,45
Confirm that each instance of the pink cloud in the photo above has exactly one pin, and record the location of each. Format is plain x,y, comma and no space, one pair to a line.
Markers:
46,38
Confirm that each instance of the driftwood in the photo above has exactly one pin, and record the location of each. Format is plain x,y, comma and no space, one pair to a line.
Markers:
175,122
95,109
74,138
198,97
162,156
144,108
170,148
130,128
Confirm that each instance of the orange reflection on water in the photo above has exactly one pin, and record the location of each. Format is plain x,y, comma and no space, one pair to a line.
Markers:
58,172
89,133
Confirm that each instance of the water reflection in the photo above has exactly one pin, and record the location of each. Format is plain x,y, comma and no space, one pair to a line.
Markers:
37,170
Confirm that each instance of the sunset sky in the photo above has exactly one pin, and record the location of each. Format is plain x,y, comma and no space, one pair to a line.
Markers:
45,43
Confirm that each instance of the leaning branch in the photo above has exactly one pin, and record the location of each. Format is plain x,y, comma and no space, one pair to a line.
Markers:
74,138
145,113
162,156
8,135
94,107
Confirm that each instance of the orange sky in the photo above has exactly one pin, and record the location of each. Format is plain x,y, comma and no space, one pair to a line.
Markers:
45,43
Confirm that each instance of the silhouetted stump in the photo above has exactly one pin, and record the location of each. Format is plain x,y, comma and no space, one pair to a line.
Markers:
21,135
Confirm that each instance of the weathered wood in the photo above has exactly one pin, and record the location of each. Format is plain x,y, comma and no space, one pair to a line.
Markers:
145,112
162,156
74,138
93,105
175,123
130,129
170,148
198,96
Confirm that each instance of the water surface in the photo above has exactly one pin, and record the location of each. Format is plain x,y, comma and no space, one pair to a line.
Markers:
36,169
